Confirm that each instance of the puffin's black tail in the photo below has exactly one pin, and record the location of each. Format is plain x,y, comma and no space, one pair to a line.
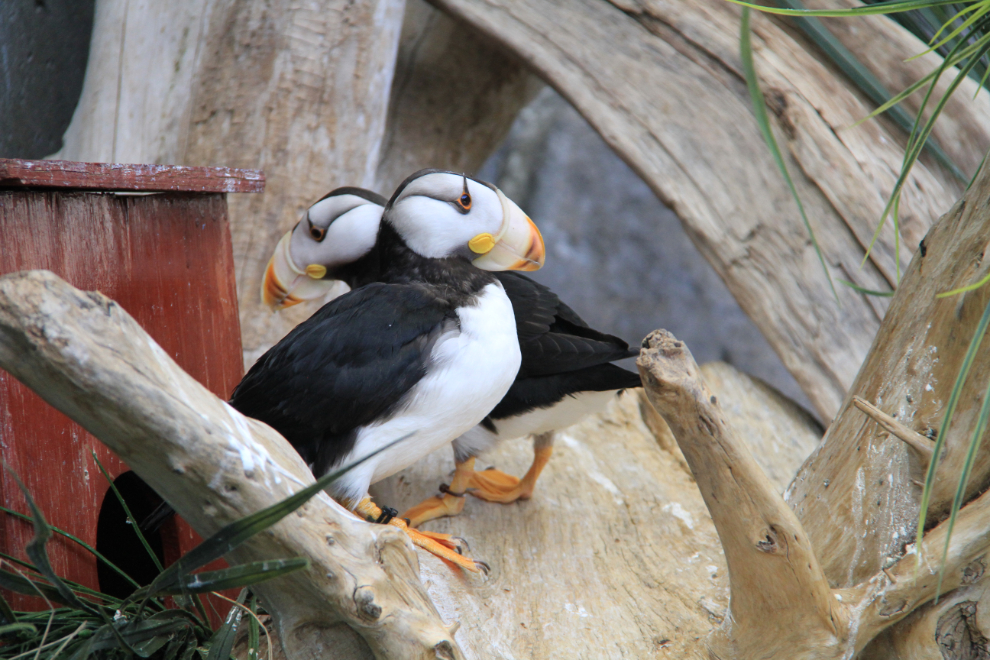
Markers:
157,518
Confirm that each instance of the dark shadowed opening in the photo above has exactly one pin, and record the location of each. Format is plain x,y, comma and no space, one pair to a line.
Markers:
119,543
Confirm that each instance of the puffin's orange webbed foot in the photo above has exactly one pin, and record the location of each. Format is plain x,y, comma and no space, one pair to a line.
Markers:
443,546
496,486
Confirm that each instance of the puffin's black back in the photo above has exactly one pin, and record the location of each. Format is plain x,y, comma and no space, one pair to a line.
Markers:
349,364
552,337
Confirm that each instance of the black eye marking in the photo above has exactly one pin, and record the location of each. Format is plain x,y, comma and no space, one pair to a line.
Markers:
318,233
464,201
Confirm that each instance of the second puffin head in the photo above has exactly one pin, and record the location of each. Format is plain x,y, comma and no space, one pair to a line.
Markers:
436,213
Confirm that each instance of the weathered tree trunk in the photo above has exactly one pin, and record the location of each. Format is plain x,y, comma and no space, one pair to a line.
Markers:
87,357
662,83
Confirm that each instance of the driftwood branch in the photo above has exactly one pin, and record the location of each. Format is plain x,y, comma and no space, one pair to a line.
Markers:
87,357
919,443
781,605
662,82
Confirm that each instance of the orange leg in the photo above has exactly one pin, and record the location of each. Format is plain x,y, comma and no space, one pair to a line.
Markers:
450,503
441,545
495,486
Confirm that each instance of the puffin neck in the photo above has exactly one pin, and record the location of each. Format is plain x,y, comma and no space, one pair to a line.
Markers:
399,264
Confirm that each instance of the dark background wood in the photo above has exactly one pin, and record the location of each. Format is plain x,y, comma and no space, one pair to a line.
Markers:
167,259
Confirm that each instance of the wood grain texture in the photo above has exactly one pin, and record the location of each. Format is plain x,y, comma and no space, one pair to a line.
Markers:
90,359
861,477
167,259
116,176
299,90
454,97
662,83
615,556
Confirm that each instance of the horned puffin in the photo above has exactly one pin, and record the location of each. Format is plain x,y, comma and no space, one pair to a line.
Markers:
428,349
566,372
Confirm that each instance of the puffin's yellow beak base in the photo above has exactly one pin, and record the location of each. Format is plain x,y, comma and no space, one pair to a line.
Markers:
286,285
482,243
316,271
518,245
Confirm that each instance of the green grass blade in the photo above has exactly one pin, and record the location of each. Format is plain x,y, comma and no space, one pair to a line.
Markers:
866,10
957,501
242,575
254,630
239,531
35,550
7,615
864,79
917,137
950,409
866,292
223,640
22,585
964,289
90,549
130,516
760,110
17,629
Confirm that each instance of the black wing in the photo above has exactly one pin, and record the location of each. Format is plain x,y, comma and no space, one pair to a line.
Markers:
544,391
348,365
552,337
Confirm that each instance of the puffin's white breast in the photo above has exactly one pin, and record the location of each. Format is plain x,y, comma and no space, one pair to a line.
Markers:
469,371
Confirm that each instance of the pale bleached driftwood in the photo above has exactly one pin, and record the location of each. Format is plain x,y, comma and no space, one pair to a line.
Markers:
919,443
860,477
299,90
87,357
662,83
781,604
454,97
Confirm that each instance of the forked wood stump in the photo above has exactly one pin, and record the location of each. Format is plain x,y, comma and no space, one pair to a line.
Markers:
156,239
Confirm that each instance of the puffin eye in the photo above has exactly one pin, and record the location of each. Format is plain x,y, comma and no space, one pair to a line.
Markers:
317,233
464,201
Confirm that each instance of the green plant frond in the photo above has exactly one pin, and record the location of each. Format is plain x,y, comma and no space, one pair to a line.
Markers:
957,501
130,516
239,531
90,549
865,10
947,22
237,576
866,292
223,640
950,409
17,629
760,110
918,137
964,289
35,550
22,585
7,615
866,82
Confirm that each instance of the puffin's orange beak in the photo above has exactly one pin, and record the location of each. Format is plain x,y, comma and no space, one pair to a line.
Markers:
285,284
518,245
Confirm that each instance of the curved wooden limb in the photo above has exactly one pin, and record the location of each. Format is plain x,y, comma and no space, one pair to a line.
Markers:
87,357
781,604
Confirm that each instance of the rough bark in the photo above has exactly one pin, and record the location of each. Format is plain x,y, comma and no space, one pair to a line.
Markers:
662,83
861,477
298,90
87,357
454,97
781,604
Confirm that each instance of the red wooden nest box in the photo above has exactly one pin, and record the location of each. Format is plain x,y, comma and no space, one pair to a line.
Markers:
156,239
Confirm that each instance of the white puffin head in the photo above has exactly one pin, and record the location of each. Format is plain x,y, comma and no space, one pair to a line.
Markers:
437,214
334,232
443,214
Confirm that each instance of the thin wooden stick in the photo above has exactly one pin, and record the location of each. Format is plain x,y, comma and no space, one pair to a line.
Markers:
922,445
